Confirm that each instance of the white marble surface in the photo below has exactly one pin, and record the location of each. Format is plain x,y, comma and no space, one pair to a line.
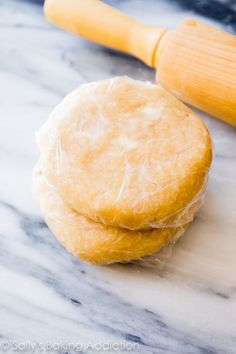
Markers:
186,302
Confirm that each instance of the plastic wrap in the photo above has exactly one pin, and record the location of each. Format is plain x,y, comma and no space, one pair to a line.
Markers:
130,162
127,154
92,241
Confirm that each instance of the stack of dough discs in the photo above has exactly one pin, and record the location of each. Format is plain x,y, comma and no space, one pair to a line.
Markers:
91,241
127,163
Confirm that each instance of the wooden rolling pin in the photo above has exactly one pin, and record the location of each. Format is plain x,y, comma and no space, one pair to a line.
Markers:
196,62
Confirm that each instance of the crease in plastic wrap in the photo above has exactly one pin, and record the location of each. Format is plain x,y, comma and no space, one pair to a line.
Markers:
125,166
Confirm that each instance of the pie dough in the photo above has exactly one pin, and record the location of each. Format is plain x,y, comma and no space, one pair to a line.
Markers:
92,241
128,154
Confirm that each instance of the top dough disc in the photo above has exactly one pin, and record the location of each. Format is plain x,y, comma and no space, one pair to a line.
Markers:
127,153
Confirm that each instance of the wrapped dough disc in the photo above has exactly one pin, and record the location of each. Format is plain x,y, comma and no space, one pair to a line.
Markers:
92,241
126,153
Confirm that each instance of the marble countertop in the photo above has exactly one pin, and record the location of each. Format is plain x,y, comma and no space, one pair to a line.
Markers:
185,302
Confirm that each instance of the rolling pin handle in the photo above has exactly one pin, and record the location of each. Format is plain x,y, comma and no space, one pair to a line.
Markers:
100,23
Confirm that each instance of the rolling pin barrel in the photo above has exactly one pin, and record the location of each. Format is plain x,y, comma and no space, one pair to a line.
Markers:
197,63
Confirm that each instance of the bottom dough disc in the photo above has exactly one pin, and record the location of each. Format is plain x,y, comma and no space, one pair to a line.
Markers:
91,241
